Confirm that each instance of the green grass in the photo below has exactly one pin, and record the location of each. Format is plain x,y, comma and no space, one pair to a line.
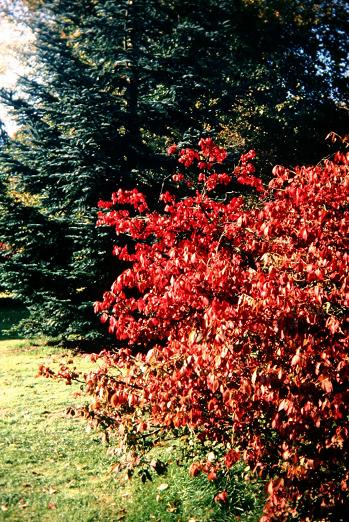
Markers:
52,469
177,497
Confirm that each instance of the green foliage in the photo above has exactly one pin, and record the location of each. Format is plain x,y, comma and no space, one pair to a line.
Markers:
11,313
3,134
111,83
289,78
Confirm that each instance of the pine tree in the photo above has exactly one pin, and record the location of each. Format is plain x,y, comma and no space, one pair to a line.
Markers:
113,83
3,134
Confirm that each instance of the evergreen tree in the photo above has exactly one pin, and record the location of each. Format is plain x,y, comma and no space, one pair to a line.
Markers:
3,134
112,84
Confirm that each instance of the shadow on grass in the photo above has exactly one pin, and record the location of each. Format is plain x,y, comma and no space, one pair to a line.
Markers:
11,313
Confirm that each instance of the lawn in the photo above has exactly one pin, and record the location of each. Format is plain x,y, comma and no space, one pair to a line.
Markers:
51,469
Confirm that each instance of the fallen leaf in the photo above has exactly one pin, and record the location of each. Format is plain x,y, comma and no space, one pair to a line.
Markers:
22,503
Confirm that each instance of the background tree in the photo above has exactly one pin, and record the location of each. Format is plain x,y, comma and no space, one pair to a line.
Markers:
3,134
111,84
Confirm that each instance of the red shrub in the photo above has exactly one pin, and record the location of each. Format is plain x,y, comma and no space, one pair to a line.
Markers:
243,311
